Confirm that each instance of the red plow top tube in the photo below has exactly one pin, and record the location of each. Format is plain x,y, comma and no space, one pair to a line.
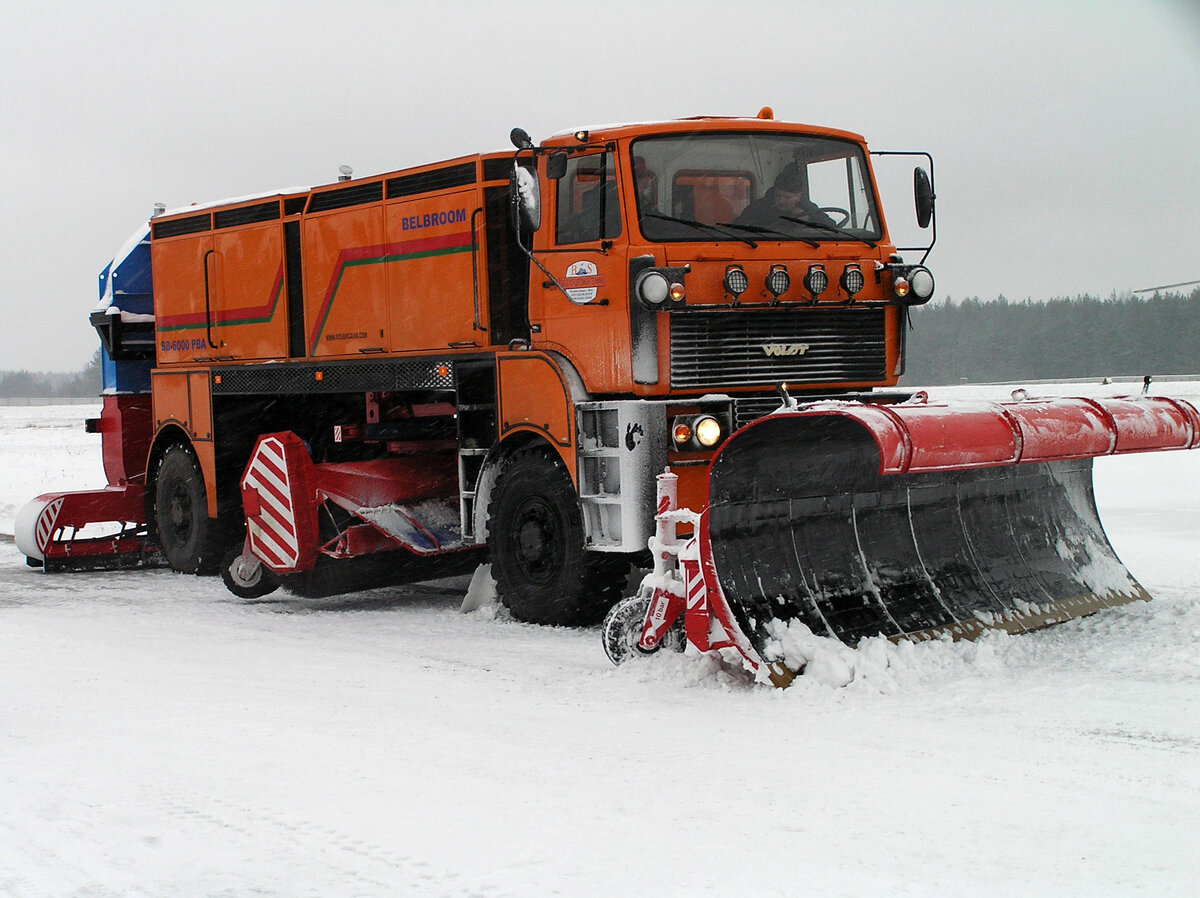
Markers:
918,437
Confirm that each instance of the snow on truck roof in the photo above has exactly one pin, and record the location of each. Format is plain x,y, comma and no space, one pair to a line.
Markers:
704,122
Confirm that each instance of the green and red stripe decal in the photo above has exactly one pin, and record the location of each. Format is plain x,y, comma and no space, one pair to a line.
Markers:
348,258
388,252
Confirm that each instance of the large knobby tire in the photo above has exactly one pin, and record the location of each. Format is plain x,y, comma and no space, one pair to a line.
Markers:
543,573
181,512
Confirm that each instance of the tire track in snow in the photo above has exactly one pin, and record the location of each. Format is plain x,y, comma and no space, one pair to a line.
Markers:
340,863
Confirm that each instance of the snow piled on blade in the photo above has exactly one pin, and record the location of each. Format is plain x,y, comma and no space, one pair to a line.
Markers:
876,664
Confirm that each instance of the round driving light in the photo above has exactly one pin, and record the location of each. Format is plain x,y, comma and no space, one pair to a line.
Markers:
736,281
677,292
816,280
922,283
653,288
778,280
681,432
852,279
708,431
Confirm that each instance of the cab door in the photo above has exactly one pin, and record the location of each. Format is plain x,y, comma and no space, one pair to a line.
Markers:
582,309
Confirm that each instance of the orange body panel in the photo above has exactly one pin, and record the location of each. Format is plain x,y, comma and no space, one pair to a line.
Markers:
533,396
345,282
220,293
181,322
429,272
183,399
249,314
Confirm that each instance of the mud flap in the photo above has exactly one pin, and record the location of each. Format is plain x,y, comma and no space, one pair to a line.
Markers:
804,525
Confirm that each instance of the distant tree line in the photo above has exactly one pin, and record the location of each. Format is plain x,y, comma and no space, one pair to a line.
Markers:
52,385
977,342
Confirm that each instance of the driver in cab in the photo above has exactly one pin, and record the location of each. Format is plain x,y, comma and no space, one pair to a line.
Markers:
786,202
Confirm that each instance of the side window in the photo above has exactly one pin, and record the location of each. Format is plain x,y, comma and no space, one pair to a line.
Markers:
589,207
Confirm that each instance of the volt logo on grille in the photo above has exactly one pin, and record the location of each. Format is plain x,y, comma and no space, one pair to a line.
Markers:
771,349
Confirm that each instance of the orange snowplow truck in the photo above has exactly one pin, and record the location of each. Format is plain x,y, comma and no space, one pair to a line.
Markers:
396,377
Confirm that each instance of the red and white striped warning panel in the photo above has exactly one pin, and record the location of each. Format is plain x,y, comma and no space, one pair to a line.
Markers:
276,494
45,524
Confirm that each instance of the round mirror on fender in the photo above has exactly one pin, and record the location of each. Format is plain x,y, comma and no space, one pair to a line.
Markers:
923,194
528,196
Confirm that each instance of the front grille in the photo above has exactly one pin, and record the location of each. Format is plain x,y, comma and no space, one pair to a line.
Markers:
755,348
751,408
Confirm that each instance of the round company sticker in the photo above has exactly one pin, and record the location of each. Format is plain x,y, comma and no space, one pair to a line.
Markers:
582,282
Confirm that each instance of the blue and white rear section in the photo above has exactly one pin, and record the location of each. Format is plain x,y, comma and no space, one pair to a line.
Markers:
124,318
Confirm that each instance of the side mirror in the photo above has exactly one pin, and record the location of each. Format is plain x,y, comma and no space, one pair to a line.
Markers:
527,196
520,139
556,166
924,196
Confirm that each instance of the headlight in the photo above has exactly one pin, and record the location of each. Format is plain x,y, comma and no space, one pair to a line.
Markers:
653,288
736,281
816,280
913,285
852,278
693,433
921,281
778,280
708,431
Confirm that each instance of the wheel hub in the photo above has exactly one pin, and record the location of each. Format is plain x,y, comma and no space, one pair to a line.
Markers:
538,540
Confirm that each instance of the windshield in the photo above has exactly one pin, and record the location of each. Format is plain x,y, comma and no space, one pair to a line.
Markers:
752,186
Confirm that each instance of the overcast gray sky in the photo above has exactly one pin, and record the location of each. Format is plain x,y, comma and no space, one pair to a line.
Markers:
1066,135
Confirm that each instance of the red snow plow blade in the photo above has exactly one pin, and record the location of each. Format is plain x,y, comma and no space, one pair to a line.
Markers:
913,520
98,529
52,530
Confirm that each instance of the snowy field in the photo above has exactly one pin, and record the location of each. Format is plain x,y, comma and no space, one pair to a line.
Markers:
159,737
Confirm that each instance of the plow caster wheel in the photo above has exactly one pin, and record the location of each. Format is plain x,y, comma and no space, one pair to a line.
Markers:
622,631
245,576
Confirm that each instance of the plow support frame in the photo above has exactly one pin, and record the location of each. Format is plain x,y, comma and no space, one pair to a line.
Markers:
283,492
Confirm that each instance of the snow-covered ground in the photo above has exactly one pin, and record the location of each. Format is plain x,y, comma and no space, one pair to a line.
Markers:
159,737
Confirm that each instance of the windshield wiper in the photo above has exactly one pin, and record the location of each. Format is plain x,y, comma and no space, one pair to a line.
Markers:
831,228
759,229
703,226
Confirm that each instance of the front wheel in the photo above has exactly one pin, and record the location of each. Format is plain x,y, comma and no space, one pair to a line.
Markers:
543,573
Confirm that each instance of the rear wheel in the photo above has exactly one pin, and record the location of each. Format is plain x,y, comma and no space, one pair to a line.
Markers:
535,537
181,512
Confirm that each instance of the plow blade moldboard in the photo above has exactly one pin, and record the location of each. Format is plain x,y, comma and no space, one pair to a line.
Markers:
918,520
